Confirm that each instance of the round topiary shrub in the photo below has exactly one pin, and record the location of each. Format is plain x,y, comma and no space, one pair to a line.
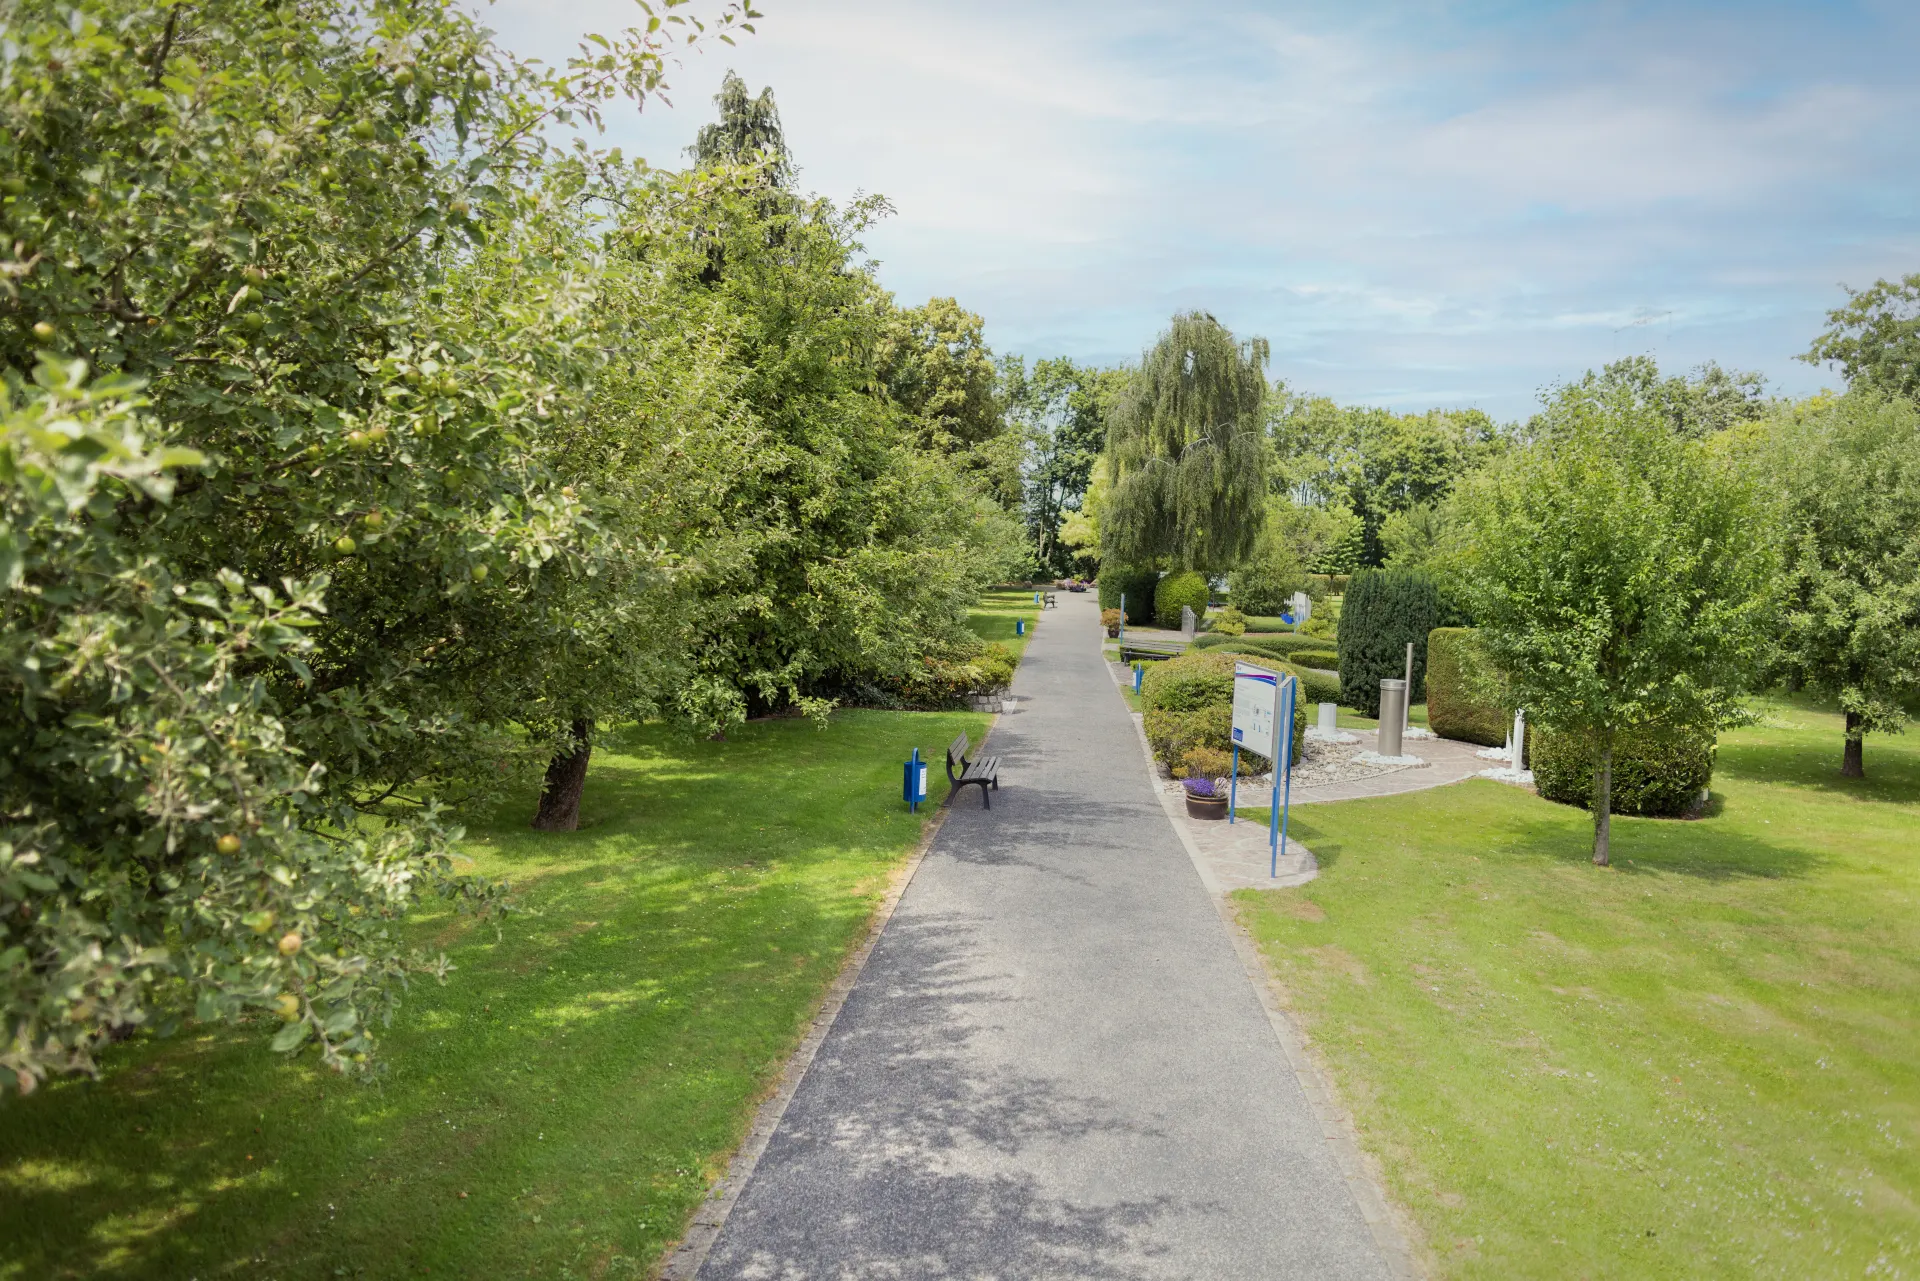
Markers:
1136,585
1175,590
1189,703
1458,679
1658,771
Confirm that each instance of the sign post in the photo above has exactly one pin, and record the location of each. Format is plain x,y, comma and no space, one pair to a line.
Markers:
1263,703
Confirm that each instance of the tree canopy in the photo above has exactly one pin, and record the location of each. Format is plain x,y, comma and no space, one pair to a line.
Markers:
1621,574
1875,337
1186,451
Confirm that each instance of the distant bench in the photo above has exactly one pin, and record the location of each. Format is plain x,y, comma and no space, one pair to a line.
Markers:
978,773
1150,651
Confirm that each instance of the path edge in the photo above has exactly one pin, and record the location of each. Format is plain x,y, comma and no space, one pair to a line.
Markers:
1388,1224
684,1261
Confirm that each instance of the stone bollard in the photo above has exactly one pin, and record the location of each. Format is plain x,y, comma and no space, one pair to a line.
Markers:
1329,718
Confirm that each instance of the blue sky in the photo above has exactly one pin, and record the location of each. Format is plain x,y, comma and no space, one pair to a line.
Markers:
1419,204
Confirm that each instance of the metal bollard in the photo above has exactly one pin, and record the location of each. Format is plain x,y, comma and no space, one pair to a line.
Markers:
1393,715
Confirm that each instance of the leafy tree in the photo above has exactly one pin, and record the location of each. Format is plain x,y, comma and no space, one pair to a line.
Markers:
1274,570
1186,451
935,363
1875,338
747,133
1621,574
1416,536
1376,463
1699,404
309,556
1848,469
1060,408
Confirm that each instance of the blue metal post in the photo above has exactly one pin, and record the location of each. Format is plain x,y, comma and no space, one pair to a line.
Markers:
1139,674
1036,598
1233,788
1278,813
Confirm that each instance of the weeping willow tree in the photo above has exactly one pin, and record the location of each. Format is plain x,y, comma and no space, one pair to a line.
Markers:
748,129
1186,459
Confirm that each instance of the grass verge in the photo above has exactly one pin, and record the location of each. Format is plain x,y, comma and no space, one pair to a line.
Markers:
994,617
559,1108
1702,1062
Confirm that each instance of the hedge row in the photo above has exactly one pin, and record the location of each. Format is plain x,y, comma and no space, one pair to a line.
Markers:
1136,585
1315,687
1458,681
1323,658
1658,771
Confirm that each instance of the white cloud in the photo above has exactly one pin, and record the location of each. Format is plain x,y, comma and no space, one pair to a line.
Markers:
1407,203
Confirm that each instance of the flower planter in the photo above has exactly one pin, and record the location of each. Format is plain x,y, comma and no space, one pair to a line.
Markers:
1113,632
1206,806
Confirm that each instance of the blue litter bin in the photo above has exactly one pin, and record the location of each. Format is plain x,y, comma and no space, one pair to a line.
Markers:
913,782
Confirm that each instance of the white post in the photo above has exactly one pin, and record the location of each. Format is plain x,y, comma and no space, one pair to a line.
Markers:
1329,718
1519,740
1406,722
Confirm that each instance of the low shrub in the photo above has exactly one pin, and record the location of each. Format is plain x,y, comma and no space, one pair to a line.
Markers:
1136,585
1328,584
1109,618
1322,658
1277,644
944,680
1319,628
1231,622
1185,588
1658,771
1459,678
1204,762
1195,679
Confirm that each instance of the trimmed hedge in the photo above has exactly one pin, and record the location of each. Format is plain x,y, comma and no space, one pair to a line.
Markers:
1136,584
1384,610
1456,674
1658,771
1175,590
1279,644
1323,658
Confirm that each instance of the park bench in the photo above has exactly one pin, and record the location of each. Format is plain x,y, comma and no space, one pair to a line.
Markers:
1051,602
978,773
1150,651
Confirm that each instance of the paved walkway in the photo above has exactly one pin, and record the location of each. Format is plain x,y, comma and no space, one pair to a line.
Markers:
1054,1063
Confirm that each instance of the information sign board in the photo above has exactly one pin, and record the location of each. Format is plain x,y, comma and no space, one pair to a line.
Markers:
1256,710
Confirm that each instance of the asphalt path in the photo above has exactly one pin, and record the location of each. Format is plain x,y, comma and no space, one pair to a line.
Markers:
1054,1063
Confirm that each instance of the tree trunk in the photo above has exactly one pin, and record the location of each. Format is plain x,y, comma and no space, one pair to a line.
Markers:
1603,803
1853,764
566,779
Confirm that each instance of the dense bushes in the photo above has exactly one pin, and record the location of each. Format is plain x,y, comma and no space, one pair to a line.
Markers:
1189,703
1326,659
1323,585
1658,771
1459,679
1279,650
1278,644
1136,585
1384,610
1185,588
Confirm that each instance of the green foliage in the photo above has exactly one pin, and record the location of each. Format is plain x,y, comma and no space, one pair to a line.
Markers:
1189,704
1274,570
1708,401
747,132
1135,585
1383,611
1185,451
1463,691
1658,771
942,680
1173,592
1875,338
1329,584
1326,659
449,445
1059,409
1849,473
934,362
1368,464
1230,622
1621,572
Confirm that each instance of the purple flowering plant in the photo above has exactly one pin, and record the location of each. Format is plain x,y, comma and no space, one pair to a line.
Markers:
1202,787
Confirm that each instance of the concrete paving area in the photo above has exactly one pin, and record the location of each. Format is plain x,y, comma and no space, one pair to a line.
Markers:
1055,1062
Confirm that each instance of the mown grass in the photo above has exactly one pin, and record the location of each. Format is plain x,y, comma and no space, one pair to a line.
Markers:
559,1108
1702,1062
993,618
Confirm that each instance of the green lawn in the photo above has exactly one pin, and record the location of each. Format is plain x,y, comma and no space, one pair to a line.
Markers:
1703,1062
559,1107
993,618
